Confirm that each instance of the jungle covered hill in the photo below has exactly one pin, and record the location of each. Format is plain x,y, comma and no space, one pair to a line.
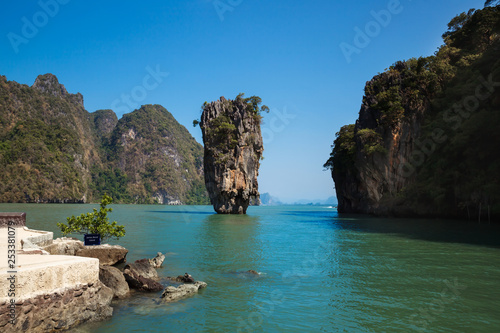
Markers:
52,150
427,138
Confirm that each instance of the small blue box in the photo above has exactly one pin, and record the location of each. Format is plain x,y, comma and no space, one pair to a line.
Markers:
92,239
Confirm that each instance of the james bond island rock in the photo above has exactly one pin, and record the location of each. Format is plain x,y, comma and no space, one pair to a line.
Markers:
233,149
424,140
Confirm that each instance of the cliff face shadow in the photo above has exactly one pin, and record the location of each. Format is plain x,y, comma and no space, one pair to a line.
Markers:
433,230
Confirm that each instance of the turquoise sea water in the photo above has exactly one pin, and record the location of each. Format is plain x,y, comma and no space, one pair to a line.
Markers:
321,272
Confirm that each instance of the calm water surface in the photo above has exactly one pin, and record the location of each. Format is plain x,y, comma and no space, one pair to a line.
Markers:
320,272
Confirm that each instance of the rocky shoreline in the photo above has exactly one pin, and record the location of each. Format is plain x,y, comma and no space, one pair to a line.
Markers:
141,275
58,306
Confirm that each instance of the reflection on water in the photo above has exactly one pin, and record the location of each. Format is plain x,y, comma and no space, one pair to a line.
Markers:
321,272
435,230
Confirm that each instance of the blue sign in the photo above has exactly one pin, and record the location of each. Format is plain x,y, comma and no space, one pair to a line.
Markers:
92,239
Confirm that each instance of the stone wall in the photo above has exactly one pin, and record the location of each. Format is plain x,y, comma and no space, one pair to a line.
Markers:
17,219
59,310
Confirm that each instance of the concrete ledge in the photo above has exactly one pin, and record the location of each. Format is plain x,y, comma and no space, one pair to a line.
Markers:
27,238
37,275
37,239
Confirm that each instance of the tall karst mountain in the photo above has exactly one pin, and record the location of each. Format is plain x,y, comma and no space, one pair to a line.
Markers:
426,141
53,150
46,143
162,161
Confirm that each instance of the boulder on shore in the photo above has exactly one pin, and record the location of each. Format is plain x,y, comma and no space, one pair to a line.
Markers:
108,255
113,278
172,294
64,246
142,276
157,261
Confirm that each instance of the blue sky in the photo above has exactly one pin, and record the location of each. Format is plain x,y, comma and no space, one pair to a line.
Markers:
290,53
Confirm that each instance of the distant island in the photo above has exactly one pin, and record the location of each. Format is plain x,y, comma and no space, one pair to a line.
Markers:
426,141
267,199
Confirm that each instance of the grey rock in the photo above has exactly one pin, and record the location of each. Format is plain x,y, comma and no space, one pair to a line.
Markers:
64,246
142,276
172,294
157,261
113,278
107,254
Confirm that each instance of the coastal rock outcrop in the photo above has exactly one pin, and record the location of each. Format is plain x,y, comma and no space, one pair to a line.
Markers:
64,246
172,294
233,148
372,173
142,276
157,261
113,278
427,129
107,254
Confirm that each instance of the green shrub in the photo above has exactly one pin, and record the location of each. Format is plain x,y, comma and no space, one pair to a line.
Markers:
371,140
96,222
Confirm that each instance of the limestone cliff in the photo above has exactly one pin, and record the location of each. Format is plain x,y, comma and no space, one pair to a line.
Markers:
380,146
427,129
233,148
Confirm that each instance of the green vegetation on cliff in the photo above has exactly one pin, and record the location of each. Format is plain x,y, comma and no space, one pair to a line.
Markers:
45,150
53,150
161,160
445,111
233,149
222,131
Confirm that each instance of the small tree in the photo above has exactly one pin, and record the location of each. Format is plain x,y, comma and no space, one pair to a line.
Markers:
96,222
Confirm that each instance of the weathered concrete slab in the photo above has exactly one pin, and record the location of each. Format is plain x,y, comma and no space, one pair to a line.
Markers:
15,219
